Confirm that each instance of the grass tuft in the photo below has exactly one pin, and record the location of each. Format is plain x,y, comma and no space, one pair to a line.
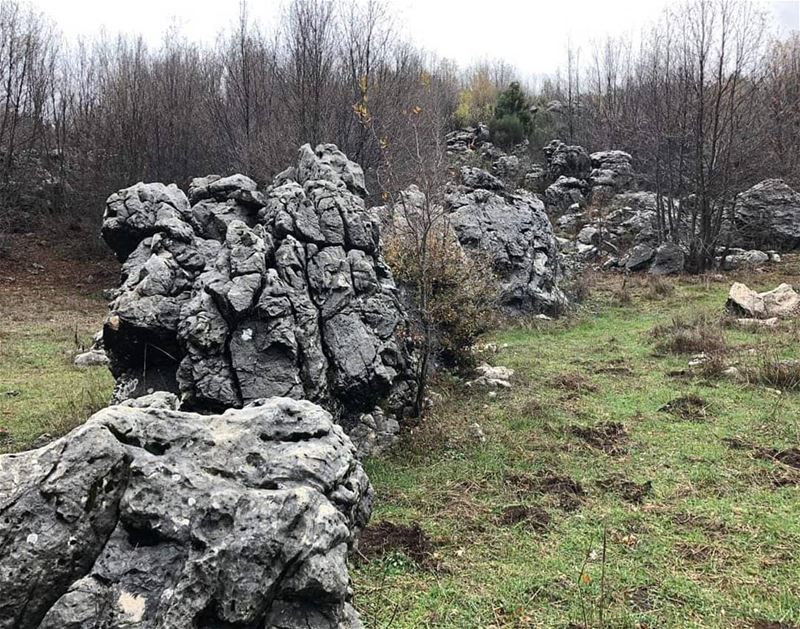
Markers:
695,335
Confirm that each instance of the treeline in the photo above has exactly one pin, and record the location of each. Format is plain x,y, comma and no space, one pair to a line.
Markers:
707,103
79,121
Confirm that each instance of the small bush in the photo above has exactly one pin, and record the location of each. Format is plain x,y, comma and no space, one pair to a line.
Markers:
713,367
507,131
463,291
773,372
658,287
689,336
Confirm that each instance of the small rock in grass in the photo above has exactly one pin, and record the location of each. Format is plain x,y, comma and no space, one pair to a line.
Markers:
92,358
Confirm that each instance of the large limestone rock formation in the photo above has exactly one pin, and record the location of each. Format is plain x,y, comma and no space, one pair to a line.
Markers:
234,294
767,216
153,518
513,230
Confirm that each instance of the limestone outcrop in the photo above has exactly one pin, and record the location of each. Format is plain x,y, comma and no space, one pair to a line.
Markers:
150,517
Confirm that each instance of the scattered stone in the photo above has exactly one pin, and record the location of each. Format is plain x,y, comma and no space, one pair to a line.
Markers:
640,257
771,323
92,358
155,518
492,377
780,302
745,259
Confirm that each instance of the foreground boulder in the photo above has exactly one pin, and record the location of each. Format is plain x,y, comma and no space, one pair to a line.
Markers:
150,517
779,302
234,294
767,216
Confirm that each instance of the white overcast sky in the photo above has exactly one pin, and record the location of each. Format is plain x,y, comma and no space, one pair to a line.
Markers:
530,34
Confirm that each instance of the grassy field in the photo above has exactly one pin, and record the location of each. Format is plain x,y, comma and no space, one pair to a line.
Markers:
614,485
48,311
585,504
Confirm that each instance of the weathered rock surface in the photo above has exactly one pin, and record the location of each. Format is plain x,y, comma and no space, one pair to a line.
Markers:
670,259
467,139
564,193
239,295
492,377
154,518
568,161
92,358
780,302
744,259
767,216
612,171
513,230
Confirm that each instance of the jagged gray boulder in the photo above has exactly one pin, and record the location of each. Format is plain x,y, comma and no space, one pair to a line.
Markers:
154,518
767,216
669,259
535,179
612,171
564,193
247,294
467,139
514,232
565,160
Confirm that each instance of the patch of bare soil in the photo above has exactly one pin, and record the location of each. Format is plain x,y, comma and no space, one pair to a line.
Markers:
689,408
47,278
610,437
573,382
568,492
534,517
626,489
771,624
694,552
641,598
382,538
789,457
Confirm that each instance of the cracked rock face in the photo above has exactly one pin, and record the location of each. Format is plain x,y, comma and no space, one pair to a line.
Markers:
565,160
767,215
234,294
515,232
154,518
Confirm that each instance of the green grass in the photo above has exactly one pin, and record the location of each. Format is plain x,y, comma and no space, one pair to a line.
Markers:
714,544
41,392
